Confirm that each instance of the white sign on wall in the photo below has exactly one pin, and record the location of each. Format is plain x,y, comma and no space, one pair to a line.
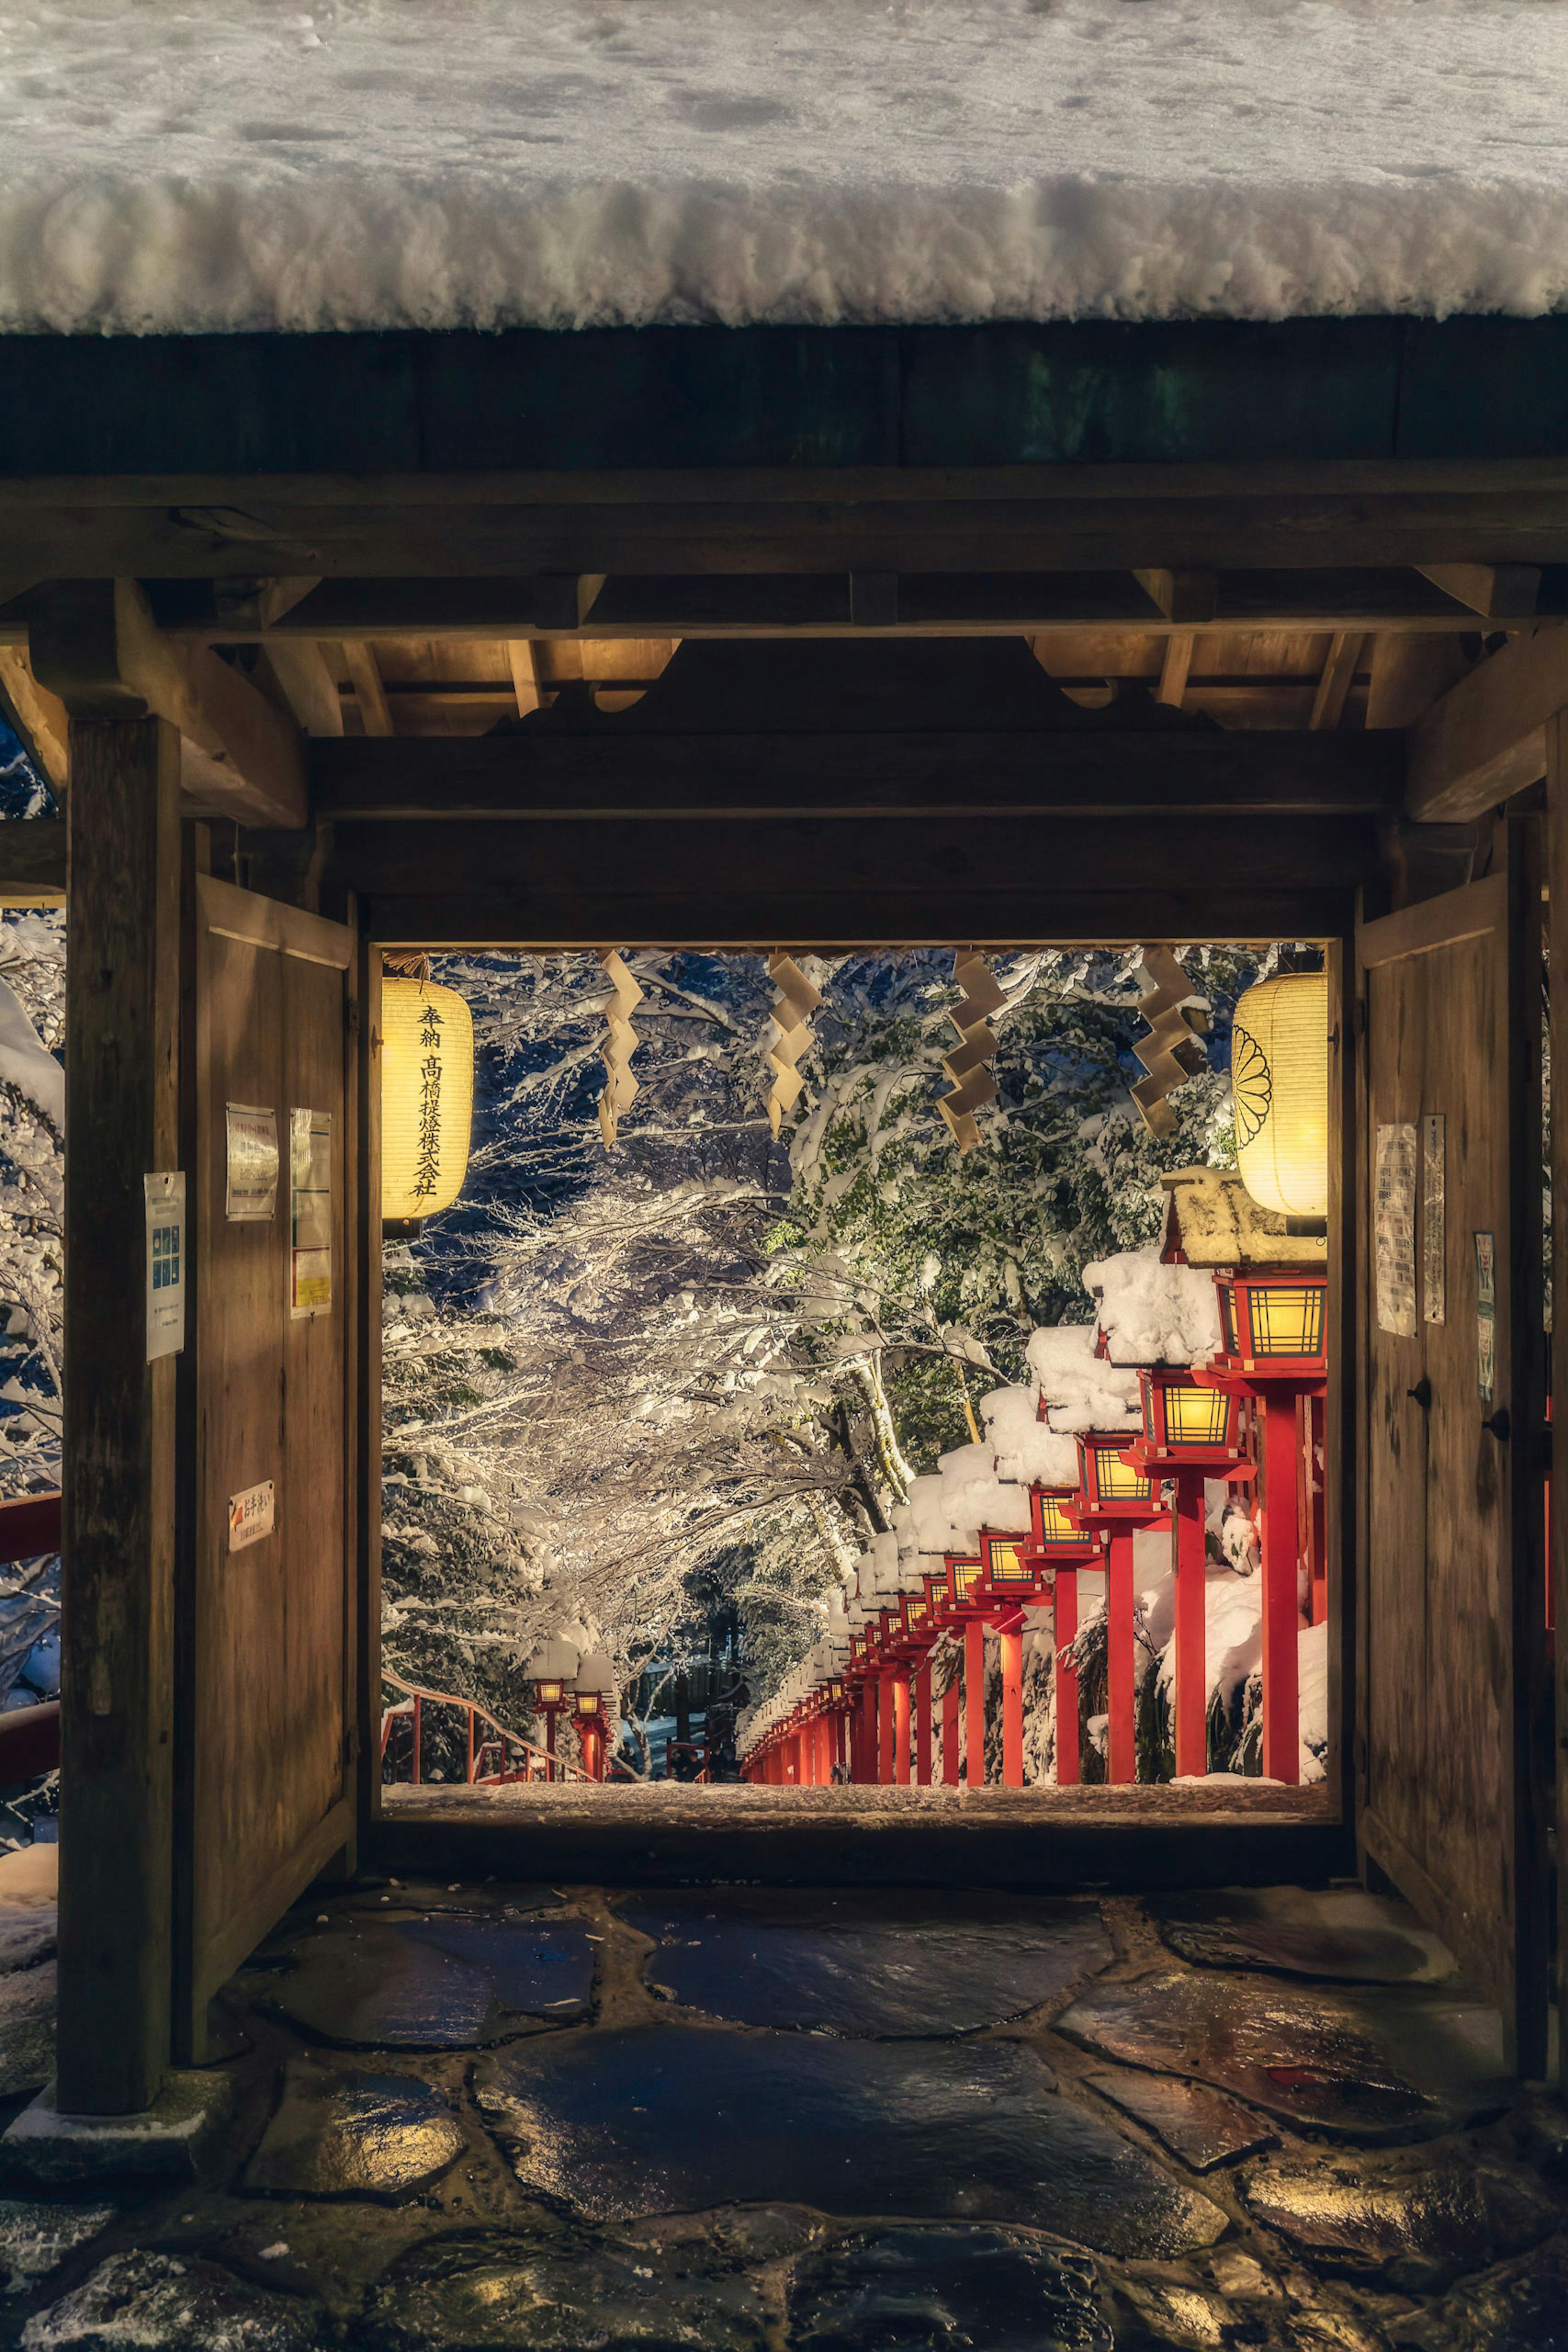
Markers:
250,1516
165,1198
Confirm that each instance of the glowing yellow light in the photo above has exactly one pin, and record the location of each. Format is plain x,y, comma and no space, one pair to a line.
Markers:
427,1097
1055,1527
1287,1317
547,1694
964,1575
1196,1416
1007,1564
1116,1482
1280,1082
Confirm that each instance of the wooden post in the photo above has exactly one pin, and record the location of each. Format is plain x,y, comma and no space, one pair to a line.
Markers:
1281,1608
1557,1563
923,1726
118,1478
887,1748
1189,1543
1012,1705
866,1771
950,1697
975,1703
365,1358
1121,1694
901,1725
1064,1679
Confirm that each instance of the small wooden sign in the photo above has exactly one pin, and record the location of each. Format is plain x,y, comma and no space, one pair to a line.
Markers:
250,1516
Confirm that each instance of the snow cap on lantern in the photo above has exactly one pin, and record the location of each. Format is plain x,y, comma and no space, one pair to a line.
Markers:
427,1097
1280,1082
551,1667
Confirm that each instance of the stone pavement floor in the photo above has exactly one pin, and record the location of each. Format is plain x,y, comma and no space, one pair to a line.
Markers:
730,2120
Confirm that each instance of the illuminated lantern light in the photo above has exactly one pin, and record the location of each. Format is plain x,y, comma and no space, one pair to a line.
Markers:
1187,1424
1271,1321
1280,1082
427,1097
1010,1566
1056,1536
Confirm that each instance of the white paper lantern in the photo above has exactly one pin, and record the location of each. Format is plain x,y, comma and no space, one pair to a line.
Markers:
1280,1082
427,1097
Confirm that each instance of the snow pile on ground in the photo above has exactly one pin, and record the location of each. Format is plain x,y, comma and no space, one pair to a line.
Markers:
471,163
1079,1388
1027,1448
1153,1314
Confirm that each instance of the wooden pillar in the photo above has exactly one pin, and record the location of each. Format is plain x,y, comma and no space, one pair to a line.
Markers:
1012,1705
1281,1608
1315,1410
1189,1544
866,1774
1557,1561
1121,1694
885,1747
1064,1679
839,1725
923,1726
123,1003
975,1703
901,1725
950,1699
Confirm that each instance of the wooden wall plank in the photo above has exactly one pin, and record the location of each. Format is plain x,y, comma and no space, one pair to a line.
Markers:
368,1418
122,1038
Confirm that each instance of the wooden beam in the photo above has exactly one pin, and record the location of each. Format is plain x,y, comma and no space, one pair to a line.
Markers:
37,717
866,879
33,862
523,655
122,1016
1339,669
1183,597
305,682
1409,671
1174,668
724,919
95,643
803,521
1499,592
375,716
1484,740
617,771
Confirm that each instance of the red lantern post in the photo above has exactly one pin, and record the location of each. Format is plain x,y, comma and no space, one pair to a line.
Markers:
963,1609
1062,1549
1191,1433
1114,1501
1007,1579
1273,1348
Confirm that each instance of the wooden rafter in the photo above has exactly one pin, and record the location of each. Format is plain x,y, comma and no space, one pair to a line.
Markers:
1485,738
375,712
1339,669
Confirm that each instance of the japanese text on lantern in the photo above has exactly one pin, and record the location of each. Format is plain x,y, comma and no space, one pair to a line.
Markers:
427,1163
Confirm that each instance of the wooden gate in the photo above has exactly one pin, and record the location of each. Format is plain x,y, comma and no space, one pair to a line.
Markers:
265,1632
1452,1643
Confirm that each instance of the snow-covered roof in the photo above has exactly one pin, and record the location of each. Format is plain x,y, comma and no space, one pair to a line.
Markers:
250,163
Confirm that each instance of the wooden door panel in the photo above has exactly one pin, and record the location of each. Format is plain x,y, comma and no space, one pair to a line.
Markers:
1449,989
266,1645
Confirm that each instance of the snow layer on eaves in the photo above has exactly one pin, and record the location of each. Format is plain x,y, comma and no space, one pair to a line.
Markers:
246,163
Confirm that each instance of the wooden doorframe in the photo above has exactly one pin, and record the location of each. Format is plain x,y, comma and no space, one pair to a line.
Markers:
1323,1846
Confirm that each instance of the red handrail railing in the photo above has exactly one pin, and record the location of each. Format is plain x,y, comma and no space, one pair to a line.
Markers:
478,1750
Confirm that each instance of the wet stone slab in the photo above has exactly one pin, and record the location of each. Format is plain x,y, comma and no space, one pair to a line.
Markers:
1369,2066
175,2304
893,1965
347,2132
470,2292
1519,2306
35,2238
674,2119
428,1984
1411,2230
984,2289
27,2003
1339,1934
1200,2126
